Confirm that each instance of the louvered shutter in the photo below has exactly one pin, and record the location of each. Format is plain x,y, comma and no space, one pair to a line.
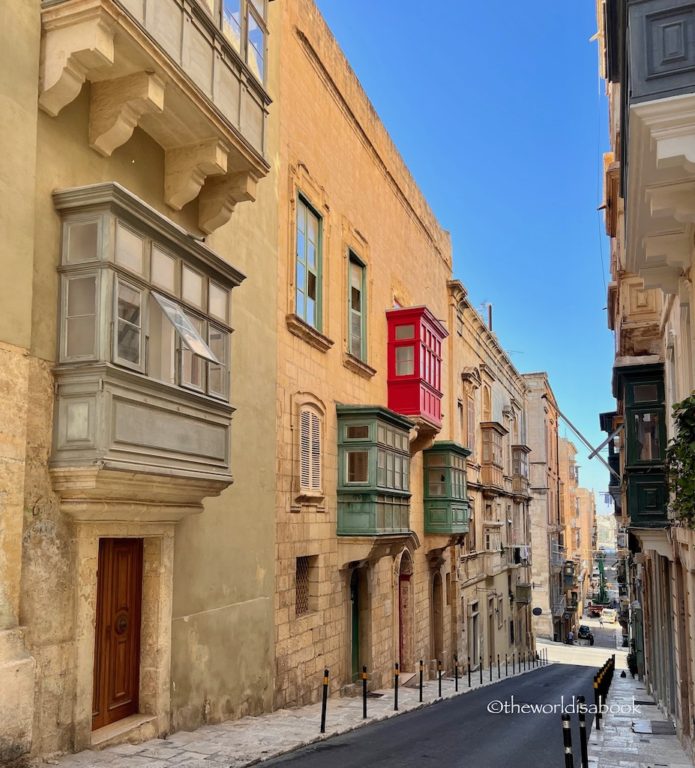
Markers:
305,449
315,453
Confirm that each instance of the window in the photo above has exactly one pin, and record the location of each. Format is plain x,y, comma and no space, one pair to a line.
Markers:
309,450
306,585
357,470
492,447
155,317
519,462
243,23
405,361
470,423
356,308
308,277
646,427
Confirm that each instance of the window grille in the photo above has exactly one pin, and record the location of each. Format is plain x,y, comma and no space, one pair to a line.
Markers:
302,598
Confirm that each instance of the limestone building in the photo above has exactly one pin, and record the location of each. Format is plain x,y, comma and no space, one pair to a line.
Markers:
646,56
136,516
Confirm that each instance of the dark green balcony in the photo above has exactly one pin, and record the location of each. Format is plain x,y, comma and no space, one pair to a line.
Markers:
373,471
445,498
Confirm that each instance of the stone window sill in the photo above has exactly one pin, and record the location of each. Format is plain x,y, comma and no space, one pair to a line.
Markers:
297,327
308,500
358,366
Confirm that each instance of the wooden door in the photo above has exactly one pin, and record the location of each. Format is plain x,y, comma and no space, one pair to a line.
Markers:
117,636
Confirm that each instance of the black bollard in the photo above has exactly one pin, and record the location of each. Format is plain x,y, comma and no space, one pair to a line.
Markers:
480,667
506,665
420,679
514,663
567,741
395,687
364,692
469,671
583,744
456,673
597,717
490,667
439,676
498,666
324,701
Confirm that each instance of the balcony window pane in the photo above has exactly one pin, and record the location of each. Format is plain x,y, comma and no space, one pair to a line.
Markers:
192,287
161,347
129,249
231,22
645,393
405,361
163,269
129,326
83,242
357,466
259,5
390,461
81,317
255,53
219,302
192,366
647,443
381,468
358,432
437,482
405,332
217,373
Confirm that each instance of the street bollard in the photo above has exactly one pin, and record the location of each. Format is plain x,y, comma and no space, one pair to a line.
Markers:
490,667
506,665
583,744
420,679
514,663
597,718
456,673
469,671
439,676
498,666
523,661
480,666
567,741
364,692
324,701
395,687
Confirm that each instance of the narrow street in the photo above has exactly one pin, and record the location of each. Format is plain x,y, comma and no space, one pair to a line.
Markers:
462,732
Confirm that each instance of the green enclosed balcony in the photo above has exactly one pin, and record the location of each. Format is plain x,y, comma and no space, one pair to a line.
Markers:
373,471
446,501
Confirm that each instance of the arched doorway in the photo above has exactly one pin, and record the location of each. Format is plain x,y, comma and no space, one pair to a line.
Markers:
359,620
405,612
437,616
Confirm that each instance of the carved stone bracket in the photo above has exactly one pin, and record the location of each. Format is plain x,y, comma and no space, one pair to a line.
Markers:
219,196
186,169
673,249
117,106
676,201
71,49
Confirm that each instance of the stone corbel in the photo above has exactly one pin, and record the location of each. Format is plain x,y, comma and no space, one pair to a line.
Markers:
219,196
117,106
71,49
676,147
662,276
676,201
186,169
673,250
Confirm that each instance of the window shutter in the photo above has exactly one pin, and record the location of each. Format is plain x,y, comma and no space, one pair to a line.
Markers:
315,453
304,449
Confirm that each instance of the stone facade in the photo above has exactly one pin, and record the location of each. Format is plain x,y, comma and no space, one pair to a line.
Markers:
206,637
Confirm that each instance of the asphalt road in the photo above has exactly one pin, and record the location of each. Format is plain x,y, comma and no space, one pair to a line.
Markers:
461,731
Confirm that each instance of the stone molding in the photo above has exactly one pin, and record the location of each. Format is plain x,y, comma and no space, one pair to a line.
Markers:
297,327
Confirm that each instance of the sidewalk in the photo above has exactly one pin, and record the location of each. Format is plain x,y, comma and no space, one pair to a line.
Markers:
251,740
629,740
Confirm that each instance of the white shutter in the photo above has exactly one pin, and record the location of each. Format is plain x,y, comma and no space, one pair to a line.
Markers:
315,453
304,449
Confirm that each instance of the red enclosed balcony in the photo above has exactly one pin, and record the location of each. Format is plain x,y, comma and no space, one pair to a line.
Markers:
415,364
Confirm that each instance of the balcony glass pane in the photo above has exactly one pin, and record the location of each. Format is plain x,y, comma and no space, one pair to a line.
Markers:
357,432
161,348
357,466
129,249
231,22
405,332
256,48
192,287
645,393
83,242
405,361
218,341
129,323
437,482
192,366
163,269
218,305
646,433
81,317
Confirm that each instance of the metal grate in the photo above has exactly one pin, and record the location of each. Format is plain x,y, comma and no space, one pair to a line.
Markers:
302,600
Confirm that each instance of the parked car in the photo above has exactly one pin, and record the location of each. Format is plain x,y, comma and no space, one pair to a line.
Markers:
585,633
609,615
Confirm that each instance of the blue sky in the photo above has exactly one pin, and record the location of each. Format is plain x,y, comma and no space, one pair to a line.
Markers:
498,111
